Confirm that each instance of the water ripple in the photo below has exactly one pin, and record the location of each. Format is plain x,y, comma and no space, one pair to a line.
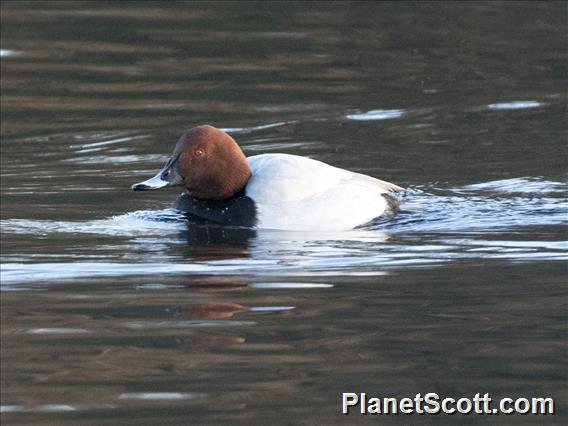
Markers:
251,129
435,226
143,222
515,105
7,53
376,114
160,396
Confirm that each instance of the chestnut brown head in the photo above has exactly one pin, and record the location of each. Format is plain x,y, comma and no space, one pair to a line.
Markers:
207,162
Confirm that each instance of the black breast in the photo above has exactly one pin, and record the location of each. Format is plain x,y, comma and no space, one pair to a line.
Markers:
238,210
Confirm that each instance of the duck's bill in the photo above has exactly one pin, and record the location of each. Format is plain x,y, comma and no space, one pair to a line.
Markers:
152,183
168,176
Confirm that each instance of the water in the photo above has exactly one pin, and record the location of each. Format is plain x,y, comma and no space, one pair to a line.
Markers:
115,310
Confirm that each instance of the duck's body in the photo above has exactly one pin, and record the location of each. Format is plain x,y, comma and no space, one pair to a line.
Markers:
298,193
281,191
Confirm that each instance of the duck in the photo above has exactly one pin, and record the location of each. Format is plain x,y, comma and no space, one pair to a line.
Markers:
267,191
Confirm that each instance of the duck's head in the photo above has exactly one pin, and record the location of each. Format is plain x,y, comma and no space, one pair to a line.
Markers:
207,162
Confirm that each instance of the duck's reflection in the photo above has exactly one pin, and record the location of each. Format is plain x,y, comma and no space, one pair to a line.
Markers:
206,241
215,284
202,339
209,310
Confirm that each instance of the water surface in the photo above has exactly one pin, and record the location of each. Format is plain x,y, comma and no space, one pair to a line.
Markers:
116,310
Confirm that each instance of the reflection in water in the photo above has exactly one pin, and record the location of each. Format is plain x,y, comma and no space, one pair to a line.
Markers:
190,324
115,309
164,242
207,242
209,310
214,283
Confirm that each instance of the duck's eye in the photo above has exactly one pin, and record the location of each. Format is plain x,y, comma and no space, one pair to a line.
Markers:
165,174
198,152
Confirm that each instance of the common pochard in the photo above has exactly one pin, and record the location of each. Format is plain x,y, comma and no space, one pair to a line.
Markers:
269,191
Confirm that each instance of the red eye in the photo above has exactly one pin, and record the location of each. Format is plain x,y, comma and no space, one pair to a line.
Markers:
198,152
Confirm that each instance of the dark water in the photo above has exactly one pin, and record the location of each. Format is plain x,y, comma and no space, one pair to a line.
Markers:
115,311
